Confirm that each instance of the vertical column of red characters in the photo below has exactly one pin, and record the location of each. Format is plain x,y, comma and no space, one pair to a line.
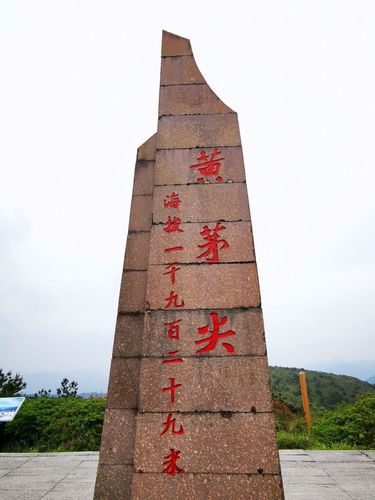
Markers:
172,328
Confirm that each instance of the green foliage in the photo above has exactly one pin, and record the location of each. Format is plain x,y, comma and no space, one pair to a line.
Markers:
289,440
42,393
326,390
352,424
56,424
10,385
67,389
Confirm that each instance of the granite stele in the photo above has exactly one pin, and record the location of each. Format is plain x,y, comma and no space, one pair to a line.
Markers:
189,405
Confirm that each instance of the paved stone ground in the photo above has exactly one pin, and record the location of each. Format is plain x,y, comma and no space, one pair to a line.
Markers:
307,475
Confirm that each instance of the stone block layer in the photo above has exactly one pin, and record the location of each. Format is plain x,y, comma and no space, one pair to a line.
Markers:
190,100
231,384
180,70
202,203
205,286
247,325
207,487
176,166
199,444
128,336
235,234
118,437
192,131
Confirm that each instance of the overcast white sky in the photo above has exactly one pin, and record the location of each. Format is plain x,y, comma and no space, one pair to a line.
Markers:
78,94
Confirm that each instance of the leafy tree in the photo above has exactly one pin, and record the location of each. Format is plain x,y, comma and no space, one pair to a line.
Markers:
67,389
11,385
43,393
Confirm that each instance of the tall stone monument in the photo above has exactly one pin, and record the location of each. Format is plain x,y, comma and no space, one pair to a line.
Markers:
189,405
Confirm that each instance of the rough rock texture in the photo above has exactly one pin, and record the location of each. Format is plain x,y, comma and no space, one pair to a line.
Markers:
189,403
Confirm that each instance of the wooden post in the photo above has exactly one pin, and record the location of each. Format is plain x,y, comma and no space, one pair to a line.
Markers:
305,399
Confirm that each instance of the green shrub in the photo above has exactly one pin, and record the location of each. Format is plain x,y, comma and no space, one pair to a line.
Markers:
350,424
288,440
56,424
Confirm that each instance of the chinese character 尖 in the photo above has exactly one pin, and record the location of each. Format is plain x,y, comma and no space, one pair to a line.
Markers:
172,201
208,166
215,336
170,462
170,424
213,241
172,300
173,225
171,388
173,331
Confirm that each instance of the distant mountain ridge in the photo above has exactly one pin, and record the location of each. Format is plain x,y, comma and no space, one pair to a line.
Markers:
325,390
363,370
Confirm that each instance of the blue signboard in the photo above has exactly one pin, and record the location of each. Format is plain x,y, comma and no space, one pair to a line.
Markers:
9,407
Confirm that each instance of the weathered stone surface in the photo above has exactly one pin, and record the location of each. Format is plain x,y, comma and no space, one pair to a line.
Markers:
133,291
118,437
140,213
190,100
113,482
148,149
238,235
179,71
207,487
173,166
128,336
243,437
205,286
203,203
143,177
195,131
208,384
123,383
173,45
248,325
137,251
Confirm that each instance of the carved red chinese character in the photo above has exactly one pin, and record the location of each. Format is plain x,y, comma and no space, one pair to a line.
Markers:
170,462
173,225
173,331
215,336
173,249
172,359
208,166
172,270
171,388
172,200
213,242
172,300
170,424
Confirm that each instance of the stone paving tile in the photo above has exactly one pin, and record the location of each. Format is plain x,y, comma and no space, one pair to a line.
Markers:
21,495
317,494
369,453
63,495
26,483
339,456
349,468
301,469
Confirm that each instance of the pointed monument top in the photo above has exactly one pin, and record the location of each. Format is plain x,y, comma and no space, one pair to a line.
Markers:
174,45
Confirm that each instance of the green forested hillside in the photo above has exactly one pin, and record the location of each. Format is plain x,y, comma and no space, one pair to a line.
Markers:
325,390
